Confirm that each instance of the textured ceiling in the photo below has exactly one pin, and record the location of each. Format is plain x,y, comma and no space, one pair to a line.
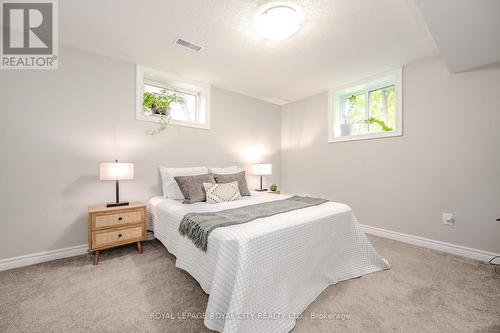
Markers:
340,41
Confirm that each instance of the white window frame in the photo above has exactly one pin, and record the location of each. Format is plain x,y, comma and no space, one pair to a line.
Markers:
376,82
146,75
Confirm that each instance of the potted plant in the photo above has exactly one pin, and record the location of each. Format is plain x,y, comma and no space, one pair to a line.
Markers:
346,125
158,104
273,187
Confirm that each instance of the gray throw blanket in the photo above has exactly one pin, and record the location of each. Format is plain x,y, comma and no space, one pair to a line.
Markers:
197,226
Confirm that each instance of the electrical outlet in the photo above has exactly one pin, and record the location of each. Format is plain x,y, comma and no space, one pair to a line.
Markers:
448,219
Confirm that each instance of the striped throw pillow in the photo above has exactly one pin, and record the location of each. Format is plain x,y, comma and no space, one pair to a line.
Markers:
224,192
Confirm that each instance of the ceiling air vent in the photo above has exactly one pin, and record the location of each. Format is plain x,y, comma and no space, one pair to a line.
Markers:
185,43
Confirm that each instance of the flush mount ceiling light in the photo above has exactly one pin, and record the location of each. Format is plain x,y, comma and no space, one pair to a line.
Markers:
278,22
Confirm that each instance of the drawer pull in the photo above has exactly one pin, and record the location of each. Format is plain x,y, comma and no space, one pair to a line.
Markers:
120,218
119,235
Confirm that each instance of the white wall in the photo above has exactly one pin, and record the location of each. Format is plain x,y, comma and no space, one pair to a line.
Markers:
55,127
447,161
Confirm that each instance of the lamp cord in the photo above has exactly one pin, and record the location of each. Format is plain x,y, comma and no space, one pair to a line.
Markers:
495,266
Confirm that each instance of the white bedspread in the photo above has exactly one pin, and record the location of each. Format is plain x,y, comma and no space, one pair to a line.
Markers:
262,274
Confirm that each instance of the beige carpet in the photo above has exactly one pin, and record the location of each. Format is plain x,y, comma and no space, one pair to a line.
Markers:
425,291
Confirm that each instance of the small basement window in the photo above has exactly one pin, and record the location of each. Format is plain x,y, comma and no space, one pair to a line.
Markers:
368,109
181,101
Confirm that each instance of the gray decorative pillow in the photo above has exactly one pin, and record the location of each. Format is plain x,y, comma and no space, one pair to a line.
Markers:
192,187
235,177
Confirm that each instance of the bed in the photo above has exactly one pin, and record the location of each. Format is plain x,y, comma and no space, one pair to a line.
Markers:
261,275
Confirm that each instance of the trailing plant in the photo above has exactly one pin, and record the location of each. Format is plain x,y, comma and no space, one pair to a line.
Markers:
159,104
373,120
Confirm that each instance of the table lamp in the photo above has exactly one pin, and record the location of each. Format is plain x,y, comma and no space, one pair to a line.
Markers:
116,171
262,169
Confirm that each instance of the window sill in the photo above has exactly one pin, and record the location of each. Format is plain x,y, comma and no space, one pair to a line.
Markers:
365,136
153,119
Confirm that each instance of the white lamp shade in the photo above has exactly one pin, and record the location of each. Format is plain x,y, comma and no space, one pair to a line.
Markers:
262,169
116,171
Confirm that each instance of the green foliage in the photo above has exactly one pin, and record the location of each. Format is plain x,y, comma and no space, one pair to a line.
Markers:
149,100
273,187
352,99
380,104
373,120
160,103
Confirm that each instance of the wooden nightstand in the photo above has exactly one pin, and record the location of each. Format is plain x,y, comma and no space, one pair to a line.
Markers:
115,226
274,192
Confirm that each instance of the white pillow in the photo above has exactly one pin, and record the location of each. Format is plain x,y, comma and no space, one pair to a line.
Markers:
170,188
217,193
224,171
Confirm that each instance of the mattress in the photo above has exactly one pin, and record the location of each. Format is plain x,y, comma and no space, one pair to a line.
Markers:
261,275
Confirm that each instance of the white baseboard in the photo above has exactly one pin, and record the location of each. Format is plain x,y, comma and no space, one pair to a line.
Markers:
36,258
430,243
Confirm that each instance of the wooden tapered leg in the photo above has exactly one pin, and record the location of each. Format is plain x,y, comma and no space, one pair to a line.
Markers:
139,247
96,257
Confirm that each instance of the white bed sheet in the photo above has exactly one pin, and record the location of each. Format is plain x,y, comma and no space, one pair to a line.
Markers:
262,274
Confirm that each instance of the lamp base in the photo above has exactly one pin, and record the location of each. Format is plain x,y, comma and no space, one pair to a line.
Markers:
261,190
117,204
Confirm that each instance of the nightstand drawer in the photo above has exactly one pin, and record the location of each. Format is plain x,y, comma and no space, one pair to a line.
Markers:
106,238
116,219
